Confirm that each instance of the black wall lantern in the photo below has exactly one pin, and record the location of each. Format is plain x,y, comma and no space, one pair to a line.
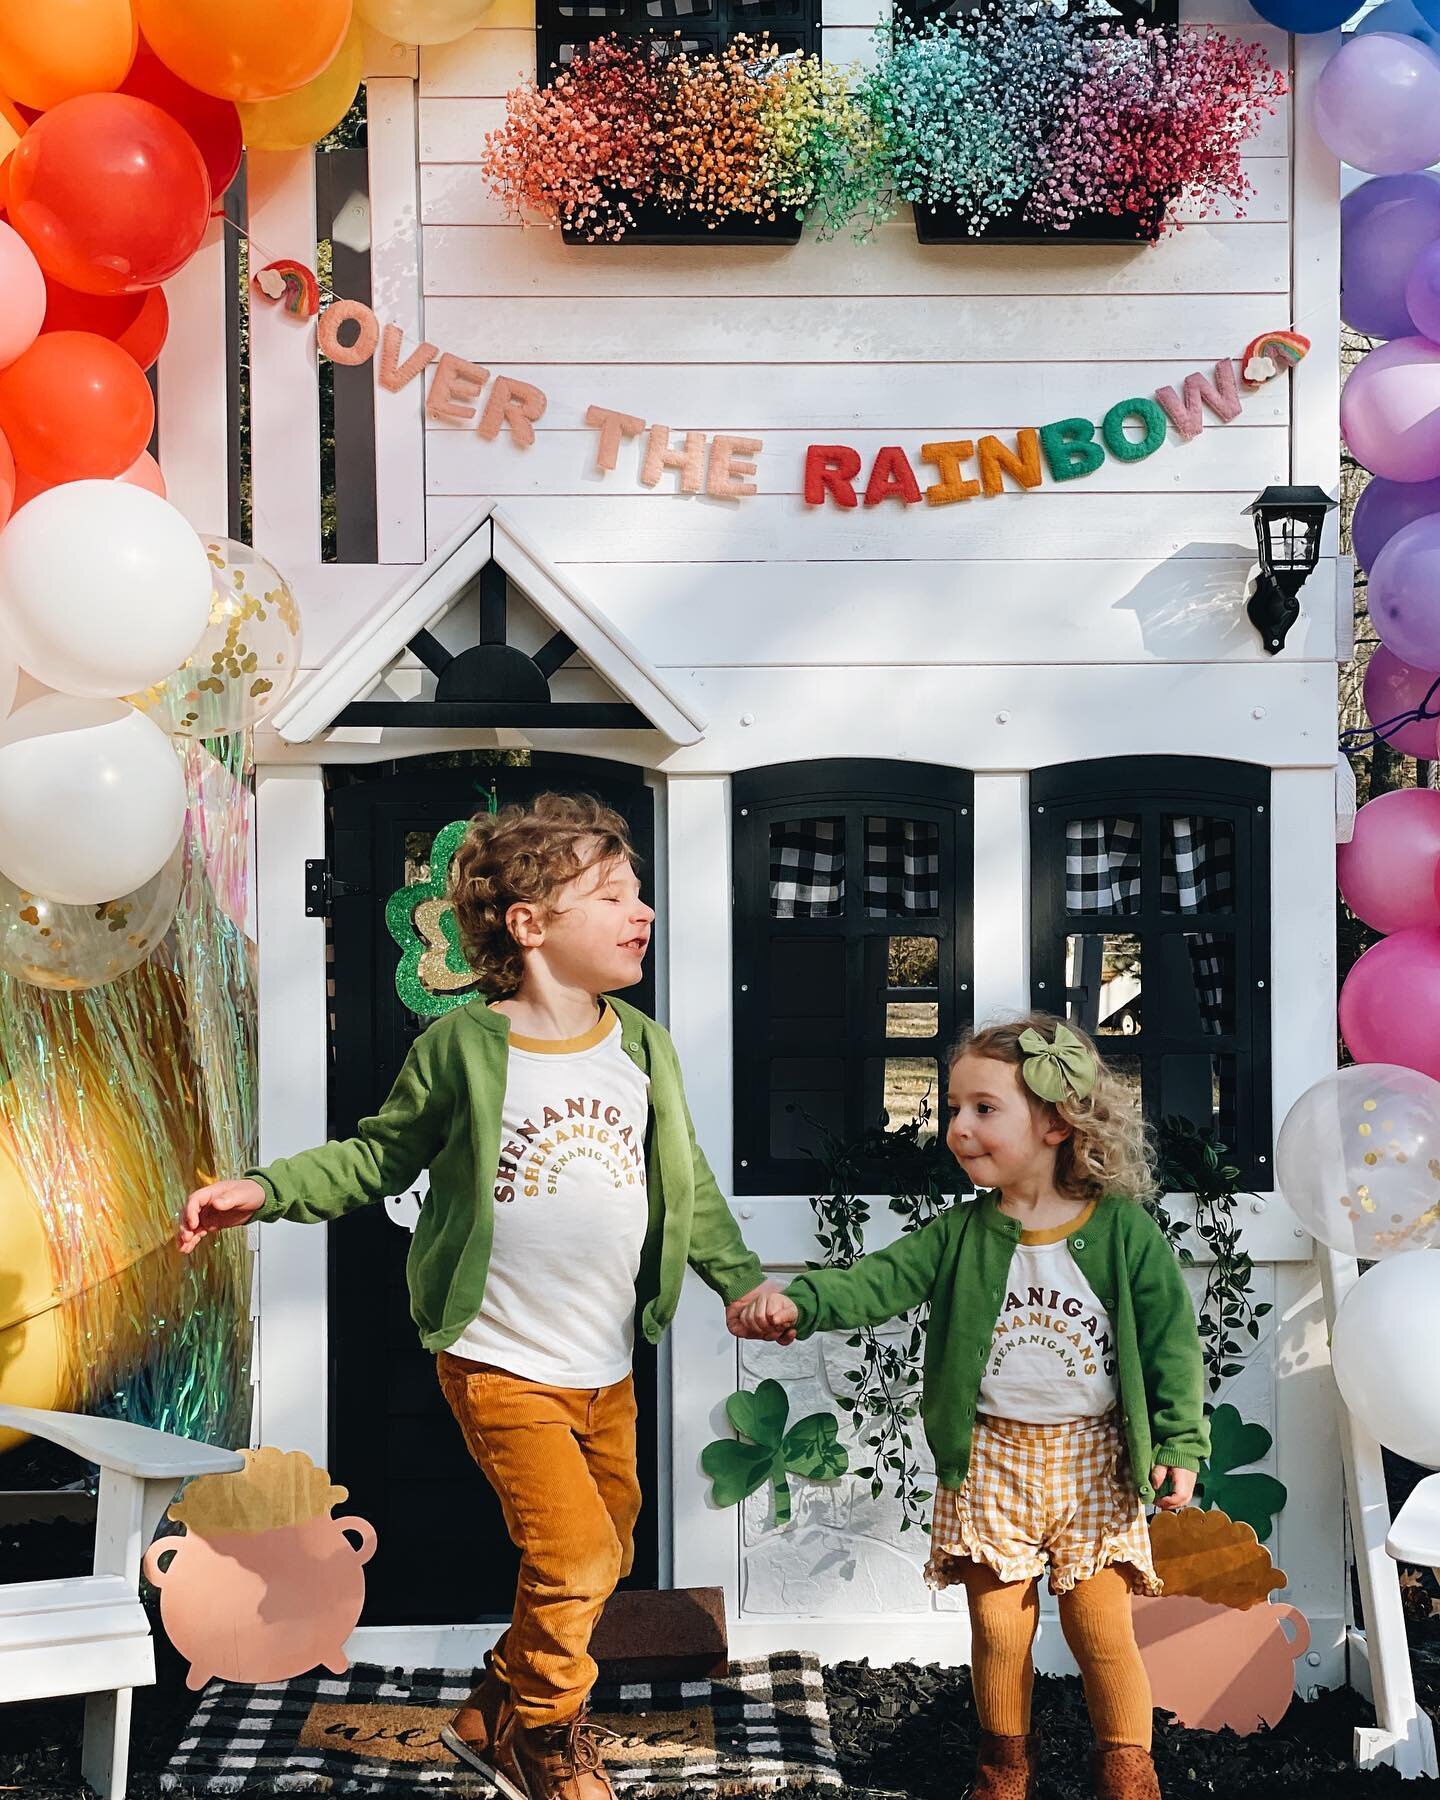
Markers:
1288,522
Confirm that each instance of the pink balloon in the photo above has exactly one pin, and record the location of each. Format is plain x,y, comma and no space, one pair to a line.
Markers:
19,321
1390,410
1393,687
7,479
1387,871
1390,1003
145,473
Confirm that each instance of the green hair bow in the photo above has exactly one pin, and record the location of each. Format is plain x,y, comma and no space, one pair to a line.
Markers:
1055,1071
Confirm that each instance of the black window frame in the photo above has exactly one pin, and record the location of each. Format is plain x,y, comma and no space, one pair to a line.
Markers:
856,789
1153,788
789,25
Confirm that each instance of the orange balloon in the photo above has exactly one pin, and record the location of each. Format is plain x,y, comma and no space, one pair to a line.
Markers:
245,49
8,475
52,52
74,407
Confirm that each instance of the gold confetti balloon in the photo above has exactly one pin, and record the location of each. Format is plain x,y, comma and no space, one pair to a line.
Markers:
52,945
1358,1160
244,664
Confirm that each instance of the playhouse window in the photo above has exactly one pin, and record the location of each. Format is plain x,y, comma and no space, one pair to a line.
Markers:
852,958
1150,928
564,28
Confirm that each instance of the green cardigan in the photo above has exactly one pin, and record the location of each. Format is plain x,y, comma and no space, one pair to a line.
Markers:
443,1113
960,1263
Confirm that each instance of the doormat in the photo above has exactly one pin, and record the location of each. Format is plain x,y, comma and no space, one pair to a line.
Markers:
376,1730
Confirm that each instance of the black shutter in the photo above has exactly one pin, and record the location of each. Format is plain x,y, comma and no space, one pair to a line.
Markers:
852,955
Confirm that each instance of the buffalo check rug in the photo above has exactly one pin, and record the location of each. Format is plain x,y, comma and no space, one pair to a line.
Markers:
377,1731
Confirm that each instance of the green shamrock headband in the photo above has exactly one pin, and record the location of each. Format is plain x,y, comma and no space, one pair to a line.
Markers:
1054,1072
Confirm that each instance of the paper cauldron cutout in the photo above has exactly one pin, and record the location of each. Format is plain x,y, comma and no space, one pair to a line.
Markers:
264,1585
1217,1650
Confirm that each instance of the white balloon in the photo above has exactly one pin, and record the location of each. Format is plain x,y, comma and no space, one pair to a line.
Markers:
104,588
1355,1160
92,800
1383,1353
9,681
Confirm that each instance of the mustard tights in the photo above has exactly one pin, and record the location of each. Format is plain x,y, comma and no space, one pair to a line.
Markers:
1095,1617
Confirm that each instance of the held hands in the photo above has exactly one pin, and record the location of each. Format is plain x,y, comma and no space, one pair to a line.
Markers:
211,1209
1182,1487
763,1313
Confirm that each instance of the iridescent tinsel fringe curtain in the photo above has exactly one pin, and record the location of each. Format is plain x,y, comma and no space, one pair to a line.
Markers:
114,1103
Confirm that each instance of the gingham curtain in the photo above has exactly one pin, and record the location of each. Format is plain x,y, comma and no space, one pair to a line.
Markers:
807,869
1102,875
1102,865
1198,875
901,868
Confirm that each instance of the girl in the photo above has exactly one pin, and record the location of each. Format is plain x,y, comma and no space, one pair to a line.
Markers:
1063,1383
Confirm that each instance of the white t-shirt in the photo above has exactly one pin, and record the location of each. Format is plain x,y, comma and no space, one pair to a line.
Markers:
1052,1357
570,1213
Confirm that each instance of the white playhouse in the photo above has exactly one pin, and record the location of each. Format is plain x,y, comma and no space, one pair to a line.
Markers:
893,766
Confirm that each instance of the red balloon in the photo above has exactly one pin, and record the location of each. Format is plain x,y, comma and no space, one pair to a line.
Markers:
110,194
136,322
75,407
214,124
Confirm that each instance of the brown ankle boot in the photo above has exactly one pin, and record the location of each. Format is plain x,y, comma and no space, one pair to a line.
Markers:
564,1761
480,1733
1005,1767
1125,1772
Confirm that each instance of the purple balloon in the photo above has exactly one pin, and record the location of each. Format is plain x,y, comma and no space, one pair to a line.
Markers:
1381,511
1393,687
1390,1003
1377,104
1387,870
1405,593
1390,410
1384,226
1422,292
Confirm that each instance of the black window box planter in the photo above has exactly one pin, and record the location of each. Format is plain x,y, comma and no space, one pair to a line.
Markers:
947,225
655,226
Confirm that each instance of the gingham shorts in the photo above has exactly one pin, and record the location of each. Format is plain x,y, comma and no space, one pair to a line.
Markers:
1038,1496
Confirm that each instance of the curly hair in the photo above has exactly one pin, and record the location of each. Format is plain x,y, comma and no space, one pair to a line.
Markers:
524,855
1108,1151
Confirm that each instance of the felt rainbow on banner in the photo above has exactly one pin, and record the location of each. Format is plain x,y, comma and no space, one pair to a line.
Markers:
293,284
1270,353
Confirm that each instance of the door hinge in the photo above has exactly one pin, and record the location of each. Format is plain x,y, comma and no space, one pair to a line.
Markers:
321,887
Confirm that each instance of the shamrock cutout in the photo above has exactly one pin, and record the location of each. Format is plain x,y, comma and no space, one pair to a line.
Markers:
1254,1498
432,975
810,1448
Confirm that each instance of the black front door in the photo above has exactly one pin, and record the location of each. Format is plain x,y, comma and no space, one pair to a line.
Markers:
443,1556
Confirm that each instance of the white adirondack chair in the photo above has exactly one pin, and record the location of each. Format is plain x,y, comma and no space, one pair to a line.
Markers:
88,1634
1414,1537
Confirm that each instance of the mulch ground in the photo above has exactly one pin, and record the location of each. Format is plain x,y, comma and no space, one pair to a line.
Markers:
907,1731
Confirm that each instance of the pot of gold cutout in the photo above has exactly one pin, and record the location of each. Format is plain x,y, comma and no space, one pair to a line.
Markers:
1217,1650
264,1585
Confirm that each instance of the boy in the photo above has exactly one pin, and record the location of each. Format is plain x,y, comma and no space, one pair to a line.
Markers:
567,1195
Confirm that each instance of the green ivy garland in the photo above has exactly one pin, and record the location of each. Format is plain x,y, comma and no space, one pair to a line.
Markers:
1192,1161
909,1165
